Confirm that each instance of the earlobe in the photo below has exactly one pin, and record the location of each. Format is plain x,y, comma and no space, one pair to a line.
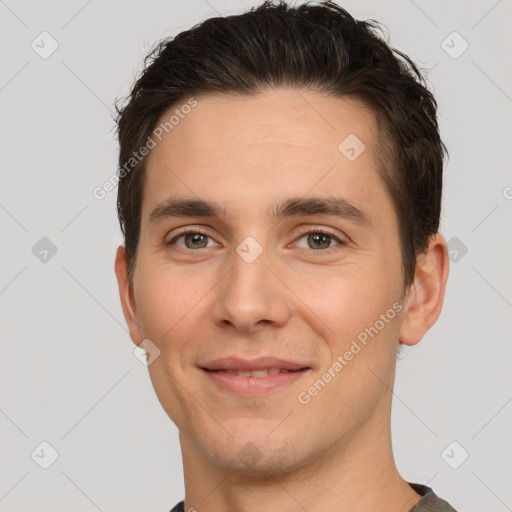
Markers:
425,297
126,295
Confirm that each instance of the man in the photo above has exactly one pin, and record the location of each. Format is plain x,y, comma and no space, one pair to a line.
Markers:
279,194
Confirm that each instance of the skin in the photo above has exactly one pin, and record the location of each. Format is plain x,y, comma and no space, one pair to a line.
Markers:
295,301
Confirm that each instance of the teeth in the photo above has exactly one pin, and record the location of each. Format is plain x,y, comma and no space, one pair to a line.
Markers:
256,373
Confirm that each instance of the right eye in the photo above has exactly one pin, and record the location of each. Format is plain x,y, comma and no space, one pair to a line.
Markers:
192,239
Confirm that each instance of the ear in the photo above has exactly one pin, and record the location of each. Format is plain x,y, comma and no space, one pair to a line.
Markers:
126,296
425,296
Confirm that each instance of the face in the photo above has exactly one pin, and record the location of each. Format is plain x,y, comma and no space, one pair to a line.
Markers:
262,237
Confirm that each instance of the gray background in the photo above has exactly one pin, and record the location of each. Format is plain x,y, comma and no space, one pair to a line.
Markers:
68,375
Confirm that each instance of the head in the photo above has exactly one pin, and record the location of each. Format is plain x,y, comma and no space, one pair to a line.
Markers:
302,155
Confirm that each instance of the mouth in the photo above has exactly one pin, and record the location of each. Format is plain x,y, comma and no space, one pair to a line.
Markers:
253,382
253,377
264,372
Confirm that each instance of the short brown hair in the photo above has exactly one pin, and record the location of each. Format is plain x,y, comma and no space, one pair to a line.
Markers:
315,47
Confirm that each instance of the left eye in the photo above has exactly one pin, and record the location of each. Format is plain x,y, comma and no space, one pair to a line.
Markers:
319,240
193,240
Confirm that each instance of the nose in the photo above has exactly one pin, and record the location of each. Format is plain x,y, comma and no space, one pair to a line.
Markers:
251,296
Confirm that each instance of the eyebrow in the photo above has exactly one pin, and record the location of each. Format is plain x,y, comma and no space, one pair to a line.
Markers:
292,207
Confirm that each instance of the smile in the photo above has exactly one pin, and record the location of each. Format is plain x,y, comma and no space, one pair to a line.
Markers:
254,382
265,372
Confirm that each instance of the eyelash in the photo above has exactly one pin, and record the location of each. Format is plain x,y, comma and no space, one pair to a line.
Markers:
309,231
320,231
188,231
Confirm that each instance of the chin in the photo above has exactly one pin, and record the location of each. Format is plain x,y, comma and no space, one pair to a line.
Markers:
248,456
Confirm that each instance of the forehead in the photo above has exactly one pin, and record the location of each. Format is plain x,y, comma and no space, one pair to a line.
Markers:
278,142
297,122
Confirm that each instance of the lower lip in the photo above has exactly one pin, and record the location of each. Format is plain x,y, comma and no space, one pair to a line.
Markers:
253,385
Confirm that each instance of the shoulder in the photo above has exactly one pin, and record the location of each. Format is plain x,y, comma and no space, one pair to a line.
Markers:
429,502
180,507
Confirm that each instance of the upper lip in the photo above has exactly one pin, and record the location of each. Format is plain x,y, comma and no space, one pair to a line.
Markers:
235,363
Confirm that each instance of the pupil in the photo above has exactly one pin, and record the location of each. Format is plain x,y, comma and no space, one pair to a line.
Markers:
196,239
320,240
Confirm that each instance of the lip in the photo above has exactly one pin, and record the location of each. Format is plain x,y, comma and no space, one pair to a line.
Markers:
251,386
235,363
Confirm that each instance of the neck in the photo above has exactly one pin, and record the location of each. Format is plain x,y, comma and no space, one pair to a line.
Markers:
356,473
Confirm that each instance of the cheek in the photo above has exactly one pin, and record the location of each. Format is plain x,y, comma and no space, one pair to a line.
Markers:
345,306
343,298
167,304
167,309
351,305
165,295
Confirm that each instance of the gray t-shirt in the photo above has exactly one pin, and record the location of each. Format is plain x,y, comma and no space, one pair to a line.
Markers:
430,502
